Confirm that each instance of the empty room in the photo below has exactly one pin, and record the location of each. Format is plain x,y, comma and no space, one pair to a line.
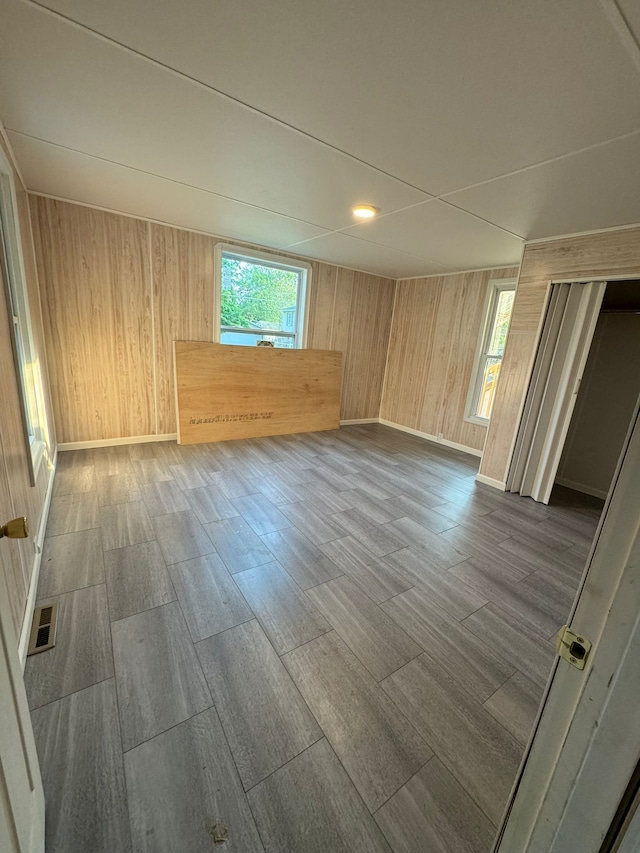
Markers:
319,426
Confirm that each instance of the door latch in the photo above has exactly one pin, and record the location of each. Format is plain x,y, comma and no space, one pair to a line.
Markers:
573,647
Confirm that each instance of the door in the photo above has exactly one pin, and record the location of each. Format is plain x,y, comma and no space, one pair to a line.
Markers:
21,795
586,742
560,362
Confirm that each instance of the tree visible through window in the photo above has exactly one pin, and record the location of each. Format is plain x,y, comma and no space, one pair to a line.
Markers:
260,300
489,358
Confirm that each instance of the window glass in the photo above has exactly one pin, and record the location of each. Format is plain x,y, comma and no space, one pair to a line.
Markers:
259,301
490,351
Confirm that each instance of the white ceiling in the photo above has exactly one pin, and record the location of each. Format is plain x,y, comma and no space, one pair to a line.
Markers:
472,125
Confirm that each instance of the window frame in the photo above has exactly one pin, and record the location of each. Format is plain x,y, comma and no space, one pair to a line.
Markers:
14,283
494,289
272,259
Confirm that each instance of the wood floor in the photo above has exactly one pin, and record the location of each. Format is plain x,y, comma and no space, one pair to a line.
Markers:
335,641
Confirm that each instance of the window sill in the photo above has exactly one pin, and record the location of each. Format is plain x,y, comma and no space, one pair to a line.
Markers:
474,419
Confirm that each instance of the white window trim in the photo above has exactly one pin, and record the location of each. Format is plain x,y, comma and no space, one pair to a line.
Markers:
494,289
281,262
35,445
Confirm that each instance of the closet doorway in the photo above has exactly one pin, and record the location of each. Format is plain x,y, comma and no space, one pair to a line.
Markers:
583,391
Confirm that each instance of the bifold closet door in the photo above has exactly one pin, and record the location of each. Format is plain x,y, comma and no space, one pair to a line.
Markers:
562,354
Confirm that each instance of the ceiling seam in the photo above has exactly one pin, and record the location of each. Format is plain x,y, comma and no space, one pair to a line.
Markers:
239,241
245,105
165,178
541,164
219,93
620,24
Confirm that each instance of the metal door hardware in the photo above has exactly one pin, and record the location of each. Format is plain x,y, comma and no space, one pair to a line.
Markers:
572,647
17,528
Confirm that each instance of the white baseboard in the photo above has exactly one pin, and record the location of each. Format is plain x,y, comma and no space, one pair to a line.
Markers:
489,481
434,438
580,487
35,571
115,442
353,421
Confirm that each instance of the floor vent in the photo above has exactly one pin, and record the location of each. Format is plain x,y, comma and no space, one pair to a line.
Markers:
43,629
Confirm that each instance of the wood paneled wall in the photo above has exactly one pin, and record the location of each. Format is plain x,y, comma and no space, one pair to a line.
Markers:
436,323
22,498
117,291
596,256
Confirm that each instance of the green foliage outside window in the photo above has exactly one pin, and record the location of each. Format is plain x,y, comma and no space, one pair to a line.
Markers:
254,295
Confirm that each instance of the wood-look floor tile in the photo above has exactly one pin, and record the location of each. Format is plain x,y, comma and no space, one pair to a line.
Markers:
109,461
473,664
75,481
443,588
70,561
233,485
378,747
80,752
190,475
311,806
321,474
503,631
407,507
117,489
375,639
314,526
209,504
70,513
82,653
164,497
210,599
181,537
237,544
300,558
375,510
260,514
264,717
479,752
180,784
433,813
284,611
380,539
276,490
160,682
125,524
151,471
516,704
438,551
540,612
372,574
137,579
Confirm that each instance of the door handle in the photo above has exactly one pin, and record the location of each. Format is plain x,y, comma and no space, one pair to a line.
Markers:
17,528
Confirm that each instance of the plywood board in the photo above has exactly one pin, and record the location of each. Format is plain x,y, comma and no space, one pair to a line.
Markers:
227,392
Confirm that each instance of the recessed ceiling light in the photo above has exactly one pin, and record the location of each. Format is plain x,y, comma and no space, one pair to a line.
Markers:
365,211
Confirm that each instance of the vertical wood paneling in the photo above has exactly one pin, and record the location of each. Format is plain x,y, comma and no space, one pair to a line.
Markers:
365,357
110,367
321,297
436,323
94,277
182,266
595,256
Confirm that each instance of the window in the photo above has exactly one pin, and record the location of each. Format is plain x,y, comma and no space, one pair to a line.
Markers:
261,298
12,274
490,350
